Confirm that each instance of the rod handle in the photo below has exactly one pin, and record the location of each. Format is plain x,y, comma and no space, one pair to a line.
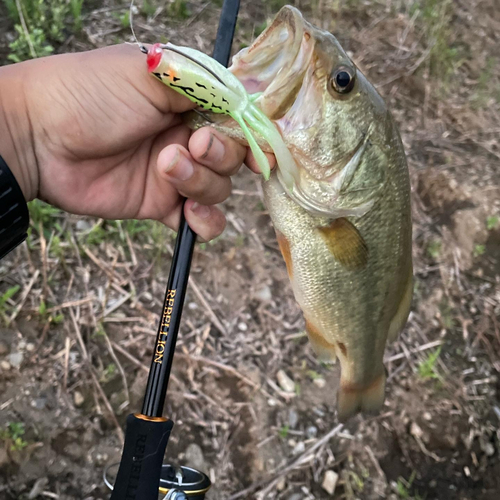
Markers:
146,439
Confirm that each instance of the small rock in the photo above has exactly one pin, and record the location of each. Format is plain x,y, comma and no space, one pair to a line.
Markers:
78,399
292,443
271,402
22,345
427,416
293,418
416,430
300,447
39,403
285,382
263,293
4,349
330,482
15,359
281,484
243,327
312,432
486,446
194,457
5,365
30,347
101,458
192,306
319,382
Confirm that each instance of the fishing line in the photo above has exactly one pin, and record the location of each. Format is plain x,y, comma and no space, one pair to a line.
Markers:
142,47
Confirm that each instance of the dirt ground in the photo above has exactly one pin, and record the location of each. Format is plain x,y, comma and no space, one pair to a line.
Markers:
79,321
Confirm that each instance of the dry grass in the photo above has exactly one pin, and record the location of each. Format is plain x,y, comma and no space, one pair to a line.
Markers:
79,302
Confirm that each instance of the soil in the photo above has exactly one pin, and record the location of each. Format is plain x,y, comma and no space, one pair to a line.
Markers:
437,436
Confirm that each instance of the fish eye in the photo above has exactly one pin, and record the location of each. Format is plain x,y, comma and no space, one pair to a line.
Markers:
342,80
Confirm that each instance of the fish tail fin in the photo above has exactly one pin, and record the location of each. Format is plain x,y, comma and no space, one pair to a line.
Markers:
353,399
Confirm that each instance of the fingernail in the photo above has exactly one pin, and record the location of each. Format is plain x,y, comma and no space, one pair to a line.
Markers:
215,149
202,211
180,167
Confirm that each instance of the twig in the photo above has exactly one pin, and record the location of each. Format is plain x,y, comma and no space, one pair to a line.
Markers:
67,345
94,378
421,348
206,305
119,365
142,366
25,29
305,457
23,298
227,368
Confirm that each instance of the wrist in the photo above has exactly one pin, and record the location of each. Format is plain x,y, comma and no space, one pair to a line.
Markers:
16,144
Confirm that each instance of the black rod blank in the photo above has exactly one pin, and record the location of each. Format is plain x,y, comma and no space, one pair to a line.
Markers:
147,434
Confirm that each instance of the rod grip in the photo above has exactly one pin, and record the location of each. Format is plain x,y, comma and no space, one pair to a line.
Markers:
138,477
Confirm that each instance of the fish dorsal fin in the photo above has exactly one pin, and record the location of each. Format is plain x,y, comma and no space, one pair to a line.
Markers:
345,243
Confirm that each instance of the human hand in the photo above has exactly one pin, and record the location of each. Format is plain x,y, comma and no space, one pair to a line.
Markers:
92,133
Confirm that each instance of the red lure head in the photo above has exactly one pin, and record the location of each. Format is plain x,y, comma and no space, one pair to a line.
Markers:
155,53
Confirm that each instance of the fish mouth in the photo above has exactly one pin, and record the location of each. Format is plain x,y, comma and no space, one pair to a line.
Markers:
276,62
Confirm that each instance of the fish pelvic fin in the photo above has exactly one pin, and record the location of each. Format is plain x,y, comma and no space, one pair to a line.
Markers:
345,243
353,398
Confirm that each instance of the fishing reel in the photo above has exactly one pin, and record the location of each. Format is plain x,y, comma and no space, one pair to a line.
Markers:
176,483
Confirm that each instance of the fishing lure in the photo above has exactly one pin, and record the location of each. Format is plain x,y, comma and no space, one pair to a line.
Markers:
214,88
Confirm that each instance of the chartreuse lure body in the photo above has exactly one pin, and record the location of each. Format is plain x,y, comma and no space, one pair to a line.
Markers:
210,85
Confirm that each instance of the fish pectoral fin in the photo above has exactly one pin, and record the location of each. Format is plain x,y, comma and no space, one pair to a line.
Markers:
353,398
345,243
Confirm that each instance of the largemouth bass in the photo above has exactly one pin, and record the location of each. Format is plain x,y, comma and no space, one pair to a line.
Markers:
341,208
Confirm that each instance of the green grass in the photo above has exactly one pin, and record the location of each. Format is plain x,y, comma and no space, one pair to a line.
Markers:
313,375
4,298
403,488
148,8
124,19
76,11
479,250
434,248
283,432
40,24
434,17
178,9
492,222
427,369
13,436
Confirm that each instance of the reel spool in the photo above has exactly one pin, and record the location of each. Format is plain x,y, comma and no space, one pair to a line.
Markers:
176,483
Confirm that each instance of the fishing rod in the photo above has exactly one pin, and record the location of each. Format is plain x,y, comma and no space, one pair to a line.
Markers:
141,474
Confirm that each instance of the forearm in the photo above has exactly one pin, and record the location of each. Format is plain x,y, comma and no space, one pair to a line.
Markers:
16,143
